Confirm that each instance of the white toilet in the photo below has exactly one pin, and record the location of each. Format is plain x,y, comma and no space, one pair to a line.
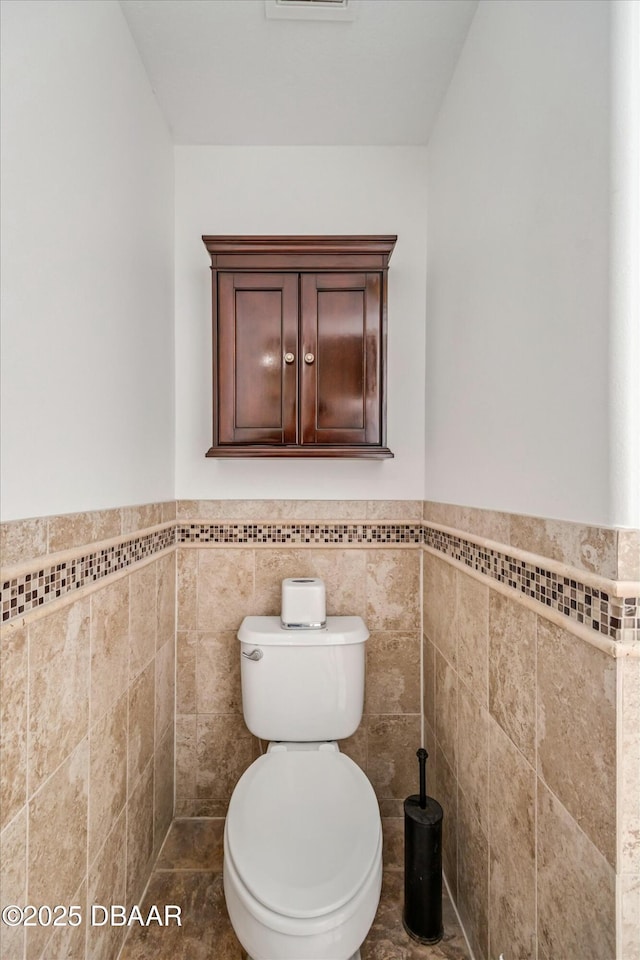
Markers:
303,838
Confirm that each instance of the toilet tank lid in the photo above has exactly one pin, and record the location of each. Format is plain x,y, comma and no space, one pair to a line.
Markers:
268,631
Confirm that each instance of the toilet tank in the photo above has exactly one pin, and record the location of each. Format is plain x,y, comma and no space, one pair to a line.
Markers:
302,685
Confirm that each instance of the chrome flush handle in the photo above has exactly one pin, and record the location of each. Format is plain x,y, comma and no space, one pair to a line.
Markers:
254,655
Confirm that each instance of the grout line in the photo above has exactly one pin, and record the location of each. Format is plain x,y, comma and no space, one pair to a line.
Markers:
485,709
536,933
421,612
626,682
455,909
175,684
127,785
27,779
89,742
156,676
489,833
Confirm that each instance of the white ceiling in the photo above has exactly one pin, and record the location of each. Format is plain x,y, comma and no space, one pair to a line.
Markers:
225,74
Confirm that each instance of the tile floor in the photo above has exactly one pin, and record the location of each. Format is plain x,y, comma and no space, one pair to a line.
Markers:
188,873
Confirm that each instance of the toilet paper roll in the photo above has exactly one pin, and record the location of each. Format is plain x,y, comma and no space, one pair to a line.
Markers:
303,603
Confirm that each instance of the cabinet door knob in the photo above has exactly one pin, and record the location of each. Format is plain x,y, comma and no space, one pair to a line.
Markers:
309,358
289,358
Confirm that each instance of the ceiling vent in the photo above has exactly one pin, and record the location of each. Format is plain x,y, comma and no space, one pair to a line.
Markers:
344,10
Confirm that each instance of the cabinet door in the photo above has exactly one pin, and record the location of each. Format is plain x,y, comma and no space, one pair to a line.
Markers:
257,387
341,326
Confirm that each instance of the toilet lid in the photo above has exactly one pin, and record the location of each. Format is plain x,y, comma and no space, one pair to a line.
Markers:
303,830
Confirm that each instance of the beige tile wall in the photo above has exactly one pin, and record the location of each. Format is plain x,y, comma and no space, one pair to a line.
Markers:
22,541
87,691
628,849
607,551
534,737
521,719
219,586
334,511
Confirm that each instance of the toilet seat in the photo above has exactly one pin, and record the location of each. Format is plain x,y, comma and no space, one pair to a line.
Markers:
303,831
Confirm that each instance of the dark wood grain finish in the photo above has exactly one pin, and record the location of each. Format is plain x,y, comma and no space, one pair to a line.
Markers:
319,297
257,326
335,253
309,451
340,324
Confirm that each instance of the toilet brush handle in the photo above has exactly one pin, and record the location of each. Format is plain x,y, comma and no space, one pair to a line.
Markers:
422,760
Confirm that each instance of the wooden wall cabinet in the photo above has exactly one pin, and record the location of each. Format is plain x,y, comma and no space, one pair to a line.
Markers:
299,346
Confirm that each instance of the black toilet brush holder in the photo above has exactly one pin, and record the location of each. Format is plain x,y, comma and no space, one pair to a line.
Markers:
422,914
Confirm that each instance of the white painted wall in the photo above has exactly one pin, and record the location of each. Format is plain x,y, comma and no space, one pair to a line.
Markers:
624,352
87,265
300,190
517,374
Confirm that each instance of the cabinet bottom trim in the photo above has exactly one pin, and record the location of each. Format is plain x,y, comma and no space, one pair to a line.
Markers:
328,452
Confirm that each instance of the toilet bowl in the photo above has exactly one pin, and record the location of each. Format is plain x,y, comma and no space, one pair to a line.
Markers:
302,855
303,839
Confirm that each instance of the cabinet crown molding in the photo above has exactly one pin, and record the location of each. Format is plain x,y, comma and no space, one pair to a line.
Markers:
333,252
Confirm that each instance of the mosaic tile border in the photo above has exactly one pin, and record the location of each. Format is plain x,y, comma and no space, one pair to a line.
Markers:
294,534
25,593
614,617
